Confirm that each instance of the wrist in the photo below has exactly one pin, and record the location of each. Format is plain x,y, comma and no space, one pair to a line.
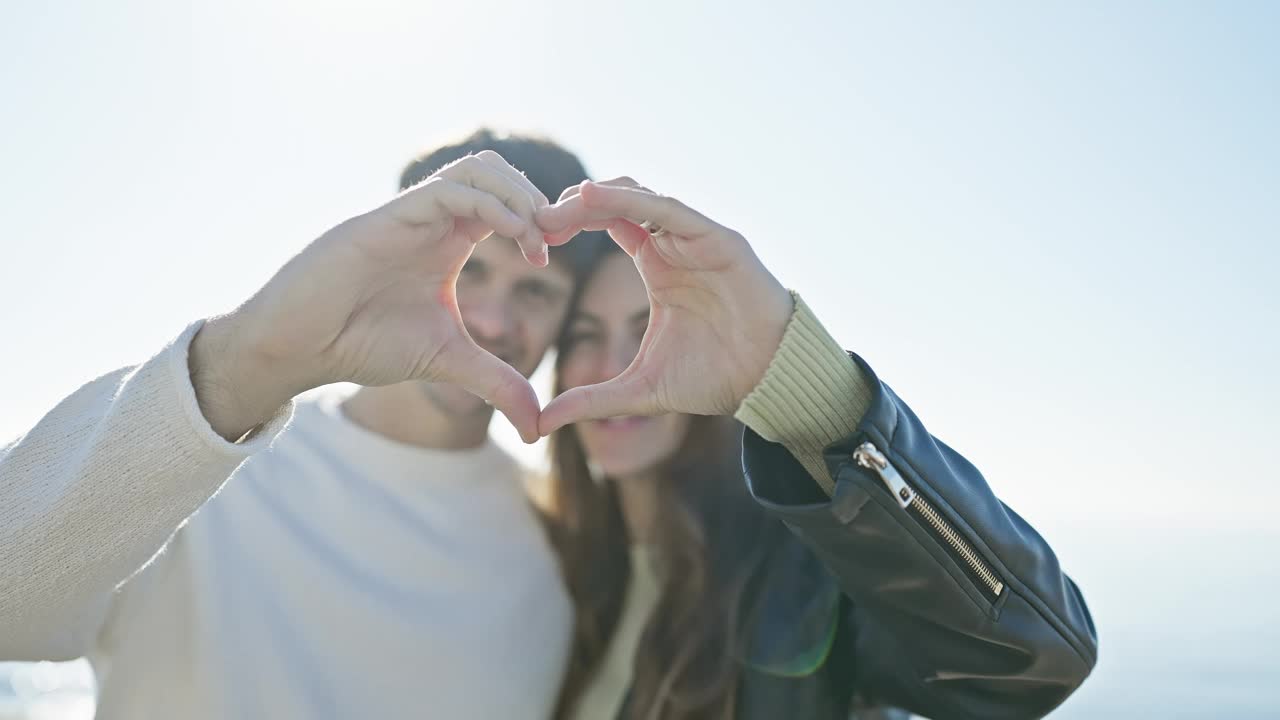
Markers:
237,387
770,319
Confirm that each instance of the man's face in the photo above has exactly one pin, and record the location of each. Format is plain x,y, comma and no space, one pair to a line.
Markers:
511,309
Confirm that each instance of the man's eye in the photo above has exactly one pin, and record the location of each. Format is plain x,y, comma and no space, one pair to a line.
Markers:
578,338
538,291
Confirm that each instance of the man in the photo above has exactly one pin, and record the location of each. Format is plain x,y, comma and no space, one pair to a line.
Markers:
380,559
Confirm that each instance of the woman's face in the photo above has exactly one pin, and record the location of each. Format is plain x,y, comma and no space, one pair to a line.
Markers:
604,335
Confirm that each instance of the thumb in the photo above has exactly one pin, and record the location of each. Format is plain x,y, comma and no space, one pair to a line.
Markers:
482,374
619,396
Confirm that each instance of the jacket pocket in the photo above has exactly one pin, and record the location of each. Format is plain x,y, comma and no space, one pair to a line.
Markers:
926,515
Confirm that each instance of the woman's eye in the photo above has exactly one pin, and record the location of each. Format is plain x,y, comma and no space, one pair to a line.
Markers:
573,339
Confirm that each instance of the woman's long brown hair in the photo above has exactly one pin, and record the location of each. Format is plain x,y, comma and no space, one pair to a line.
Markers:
713,545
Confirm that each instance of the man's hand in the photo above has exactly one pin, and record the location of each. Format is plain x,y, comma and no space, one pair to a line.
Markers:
716,314
372,302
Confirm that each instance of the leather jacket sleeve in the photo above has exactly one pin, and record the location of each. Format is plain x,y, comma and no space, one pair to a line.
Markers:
958,608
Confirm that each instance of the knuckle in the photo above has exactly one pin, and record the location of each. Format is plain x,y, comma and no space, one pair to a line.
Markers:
494,203
442,192
571,191
433,185
523,199
671,204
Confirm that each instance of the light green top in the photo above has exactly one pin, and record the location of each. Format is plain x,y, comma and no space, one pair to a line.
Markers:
603,698
811,396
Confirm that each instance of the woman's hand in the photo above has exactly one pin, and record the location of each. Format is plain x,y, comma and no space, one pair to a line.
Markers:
716,313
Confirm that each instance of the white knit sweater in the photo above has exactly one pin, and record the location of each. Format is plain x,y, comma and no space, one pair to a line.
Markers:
337,574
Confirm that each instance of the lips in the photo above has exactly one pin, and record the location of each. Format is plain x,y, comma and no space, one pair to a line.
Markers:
623,422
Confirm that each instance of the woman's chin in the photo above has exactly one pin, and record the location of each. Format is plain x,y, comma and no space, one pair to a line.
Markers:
629,473
625,463
630,446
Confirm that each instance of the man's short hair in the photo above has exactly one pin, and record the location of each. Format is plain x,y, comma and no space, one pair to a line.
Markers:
548,166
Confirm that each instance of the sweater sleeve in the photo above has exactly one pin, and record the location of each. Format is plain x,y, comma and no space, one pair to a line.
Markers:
93,492
811,395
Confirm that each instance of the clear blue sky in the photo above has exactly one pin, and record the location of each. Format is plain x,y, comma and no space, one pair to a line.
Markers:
1053,228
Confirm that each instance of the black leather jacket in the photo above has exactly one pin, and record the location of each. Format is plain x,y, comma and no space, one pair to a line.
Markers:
913,587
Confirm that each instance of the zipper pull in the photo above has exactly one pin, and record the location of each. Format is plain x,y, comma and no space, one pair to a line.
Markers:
870,457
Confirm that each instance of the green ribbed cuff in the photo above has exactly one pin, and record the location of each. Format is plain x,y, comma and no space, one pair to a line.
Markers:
812,395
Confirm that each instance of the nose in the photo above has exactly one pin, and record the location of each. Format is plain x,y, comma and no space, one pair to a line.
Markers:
489,320
618,359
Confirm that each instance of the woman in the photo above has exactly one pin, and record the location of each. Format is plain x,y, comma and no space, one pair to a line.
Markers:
904,583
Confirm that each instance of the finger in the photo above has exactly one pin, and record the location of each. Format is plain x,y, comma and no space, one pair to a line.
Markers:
481,175
573,210
558,217
628,236
499,163
623,395
560,238
625,181
621,181
463,201
575,190
570,214
638,205
565,235
567,218
481,373
562,233
571,191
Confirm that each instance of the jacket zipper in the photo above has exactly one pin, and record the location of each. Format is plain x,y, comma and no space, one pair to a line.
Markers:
869,456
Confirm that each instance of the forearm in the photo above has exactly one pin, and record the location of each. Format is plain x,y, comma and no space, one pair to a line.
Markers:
237,390
96,488
948,584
